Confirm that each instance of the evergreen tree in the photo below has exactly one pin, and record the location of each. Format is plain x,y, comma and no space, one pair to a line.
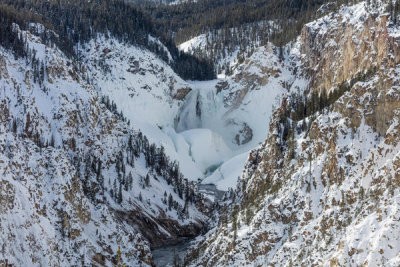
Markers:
119,199
170,201
147,180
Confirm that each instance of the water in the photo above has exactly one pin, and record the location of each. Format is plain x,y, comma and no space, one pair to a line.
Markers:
164,256
190,113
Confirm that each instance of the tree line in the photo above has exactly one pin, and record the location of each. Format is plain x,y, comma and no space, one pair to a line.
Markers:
394,11
236,24
192,18
78,21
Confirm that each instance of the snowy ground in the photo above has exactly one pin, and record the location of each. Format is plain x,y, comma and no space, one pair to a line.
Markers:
213,127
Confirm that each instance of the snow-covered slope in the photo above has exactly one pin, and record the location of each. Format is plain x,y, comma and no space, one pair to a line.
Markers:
228,47
196,43
80,185
227,175
146,90
323,190
233,113
76,182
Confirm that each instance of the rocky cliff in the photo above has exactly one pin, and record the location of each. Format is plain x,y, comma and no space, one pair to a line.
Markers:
323,189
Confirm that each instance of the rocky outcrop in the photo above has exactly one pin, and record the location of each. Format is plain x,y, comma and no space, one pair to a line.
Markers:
328,195
253,74
339,46
160,231
181,93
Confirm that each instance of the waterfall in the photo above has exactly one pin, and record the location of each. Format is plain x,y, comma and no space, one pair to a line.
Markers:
190,113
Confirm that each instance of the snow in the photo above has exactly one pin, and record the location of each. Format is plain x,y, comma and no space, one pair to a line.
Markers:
335,201
197,42
204,45
351,15
226,115
207,148
143,87
41,183
227,175
201,131
206,132
393,30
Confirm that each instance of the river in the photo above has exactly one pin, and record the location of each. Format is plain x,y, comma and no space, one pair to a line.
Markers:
164,256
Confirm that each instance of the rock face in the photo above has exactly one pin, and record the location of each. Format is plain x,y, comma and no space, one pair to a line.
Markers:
75,177
329,195
339,46
181,93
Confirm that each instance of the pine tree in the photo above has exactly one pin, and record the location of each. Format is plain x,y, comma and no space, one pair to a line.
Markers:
14,126
165,197
170,201
119,200
177,260
281,56
396,11
61,215
130,180
114,190
147,180
28,133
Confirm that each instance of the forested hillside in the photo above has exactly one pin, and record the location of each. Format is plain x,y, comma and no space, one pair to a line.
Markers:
119,148
79,185
77,21
235,28
192,18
